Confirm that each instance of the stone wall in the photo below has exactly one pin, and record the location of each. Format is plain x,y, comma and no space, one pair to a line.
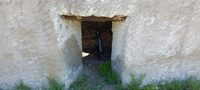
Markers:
163,40
160,38
36,43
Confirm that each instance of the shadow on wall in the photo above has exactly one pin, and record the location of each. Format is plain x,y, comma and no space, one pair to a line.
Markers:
73,59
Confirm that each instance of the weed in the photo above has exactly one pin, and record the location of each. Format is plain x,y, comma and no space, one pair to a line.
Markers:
119,87
79,85
136,82
151,87
192,83
21,86
105,68
111,76
54,85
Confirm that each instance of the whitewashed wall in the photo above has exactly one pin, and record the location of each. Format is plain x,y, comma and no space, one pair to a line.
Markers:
160,38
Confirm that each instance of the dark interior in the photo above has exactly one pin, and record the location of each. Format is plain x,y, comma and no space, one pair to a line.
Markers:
91,39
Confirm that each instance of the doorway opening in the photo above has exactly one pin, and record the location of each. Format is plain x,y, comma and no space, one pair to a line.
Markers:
96,36
96,41
96,49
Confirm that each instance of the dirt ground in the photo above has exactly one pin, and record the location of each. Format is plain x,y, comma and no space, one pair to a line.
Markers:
91,72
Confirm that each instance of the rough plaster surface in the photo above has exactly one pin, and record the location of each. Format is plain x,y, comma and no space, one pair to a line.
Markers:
163,40
36,43
160,38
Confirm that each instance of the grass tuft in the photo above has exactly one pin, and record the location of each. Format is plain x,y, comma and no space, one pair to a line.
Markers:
79,85
192,83
111,76
54,85
21,86
136,82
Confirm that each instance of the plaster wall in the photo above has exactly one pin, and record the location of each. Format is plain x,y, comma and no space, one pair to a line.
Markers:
160,38
36,43
163,40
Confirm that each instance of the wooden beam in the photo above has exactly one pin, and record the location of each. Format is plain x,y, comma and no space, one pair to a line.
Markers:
93,18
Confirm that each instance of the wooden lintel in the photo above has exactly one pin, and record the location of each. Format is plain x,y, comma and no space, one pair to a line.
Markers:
93,18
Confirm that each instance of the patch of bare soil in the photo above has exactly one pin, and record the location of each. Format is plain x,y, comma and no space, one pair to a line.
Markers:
92,72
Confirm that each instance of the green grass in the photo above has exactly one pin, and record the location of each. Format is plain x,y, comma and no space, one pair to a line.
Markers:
111,76
191,83
150,87
134,84
21,86
54,85
79,85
